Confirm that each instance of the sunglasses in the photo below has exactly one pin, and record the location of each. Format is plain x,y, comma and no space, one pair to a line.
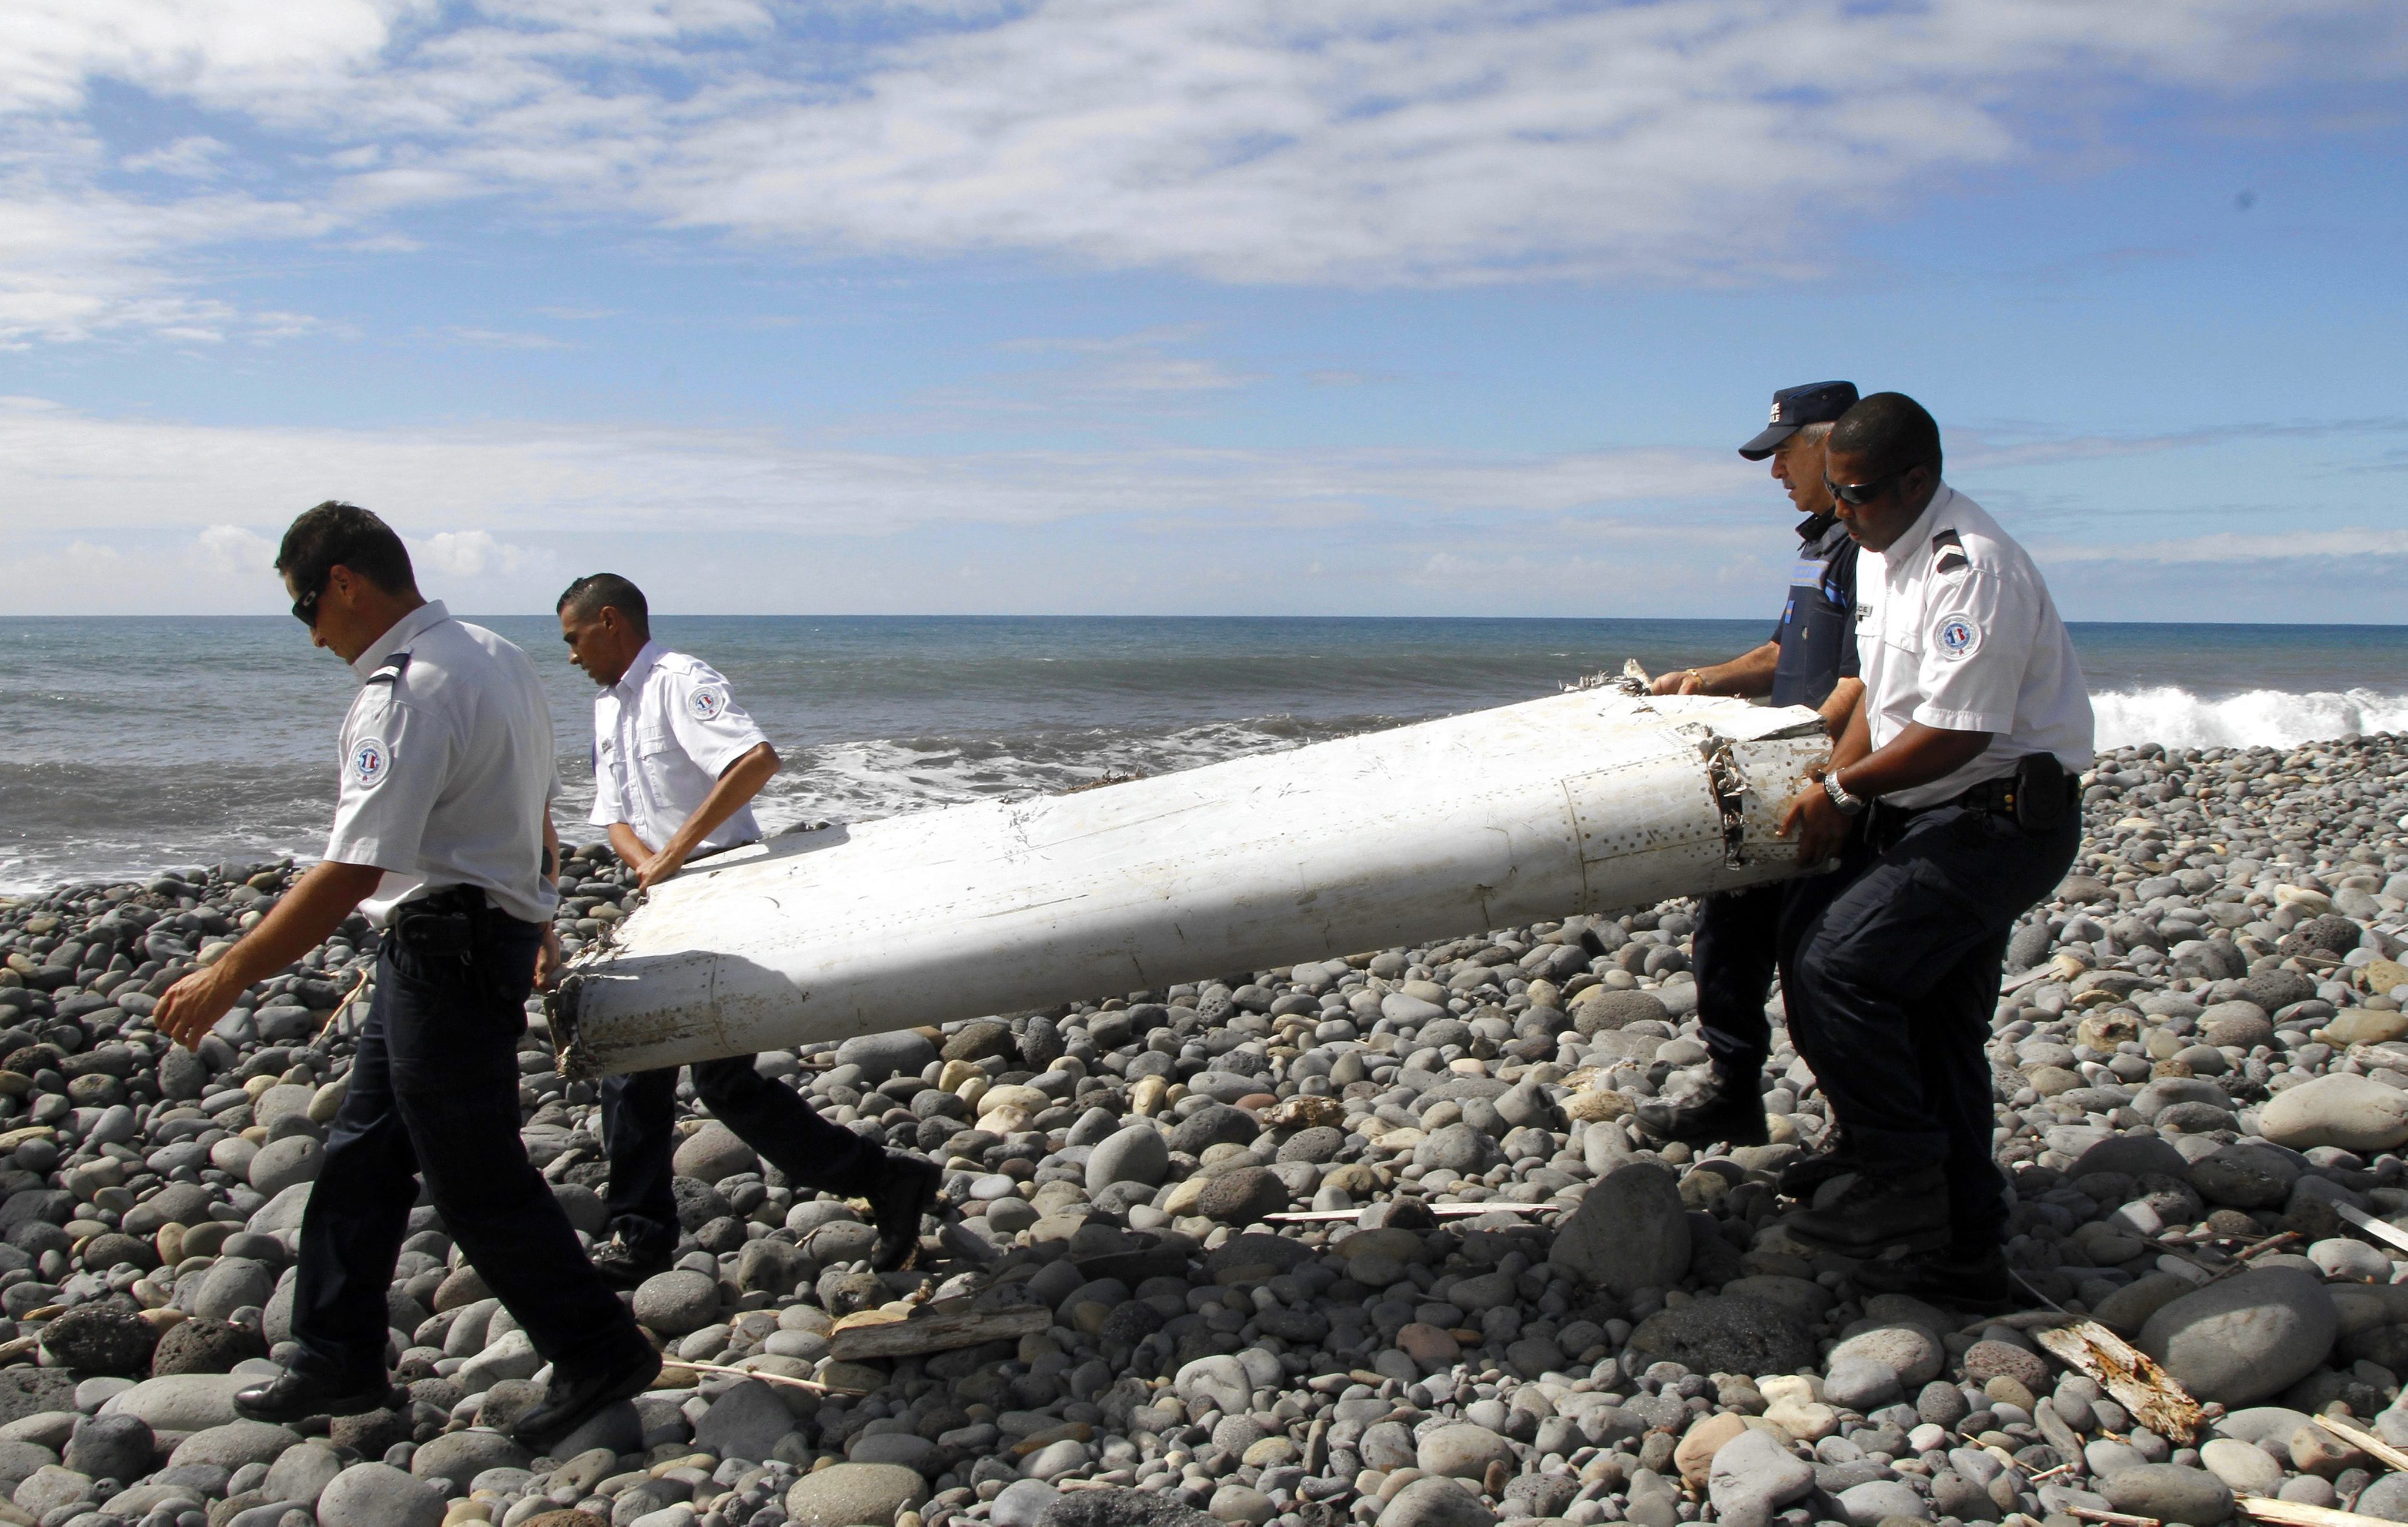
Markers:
1857,494
305,609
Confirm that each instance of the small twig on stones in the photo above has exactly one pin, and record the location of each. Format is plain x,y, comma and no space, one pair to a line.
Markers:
2295,1514
811,1386
2114,1519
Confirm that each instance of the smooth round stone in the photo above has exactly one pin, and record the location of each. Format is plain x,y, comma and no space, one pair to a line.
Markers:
2354,1259
2356,1113
1435,1502
280,1164
2246,1468
678,1303
380,1495
1461,1451
1137,1153
2246,1337
2173,1493
994,1185
712,1153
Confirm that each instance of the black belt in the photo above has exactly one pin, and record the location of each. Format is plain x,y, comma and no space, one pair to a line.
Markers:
1999,795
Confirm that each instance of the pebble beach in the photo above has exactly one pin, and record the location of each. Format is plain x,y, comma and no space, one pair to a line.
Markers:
1371,1240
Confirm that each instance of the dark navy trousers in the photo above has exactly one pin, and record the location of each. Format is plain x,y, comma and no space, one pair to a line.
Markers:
434,1092
639,1113
1893,965
1732,952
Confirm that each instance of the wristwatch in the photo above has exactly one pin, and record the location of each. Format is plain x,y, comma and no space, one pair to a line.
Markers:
1848,804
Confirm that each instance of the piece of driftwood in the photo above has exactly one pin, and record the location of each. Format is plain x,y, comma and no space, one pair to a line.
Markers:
2380,1230
936,1333
1442,1211
2295,1514
2130,1375
2353,1433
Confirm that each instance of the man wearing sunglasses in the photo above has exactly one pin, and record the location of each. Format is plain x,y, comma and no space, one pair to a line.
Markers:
1951,803
443,836
1810,659
676,764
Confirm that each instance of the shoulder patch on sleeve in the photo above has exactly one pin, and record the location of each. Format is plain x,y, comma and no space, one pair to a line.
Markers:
370,761
708,702
1959,636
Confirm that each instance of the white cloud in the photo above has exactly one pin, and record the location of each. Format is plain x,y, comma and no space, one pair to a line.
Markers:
1432,142
233,551
2345,544
475,553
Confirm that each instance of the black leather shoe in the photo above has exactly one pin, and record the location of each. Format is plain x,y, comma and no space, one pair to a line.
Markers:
569,1403
622,1267
1880,1210
906,1190
1723,1109
1978,1281
293,1395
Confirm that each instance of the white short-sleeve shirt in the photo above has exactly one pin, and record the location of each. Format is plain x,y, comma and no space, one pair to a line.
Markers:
662,735
1956,629
447,767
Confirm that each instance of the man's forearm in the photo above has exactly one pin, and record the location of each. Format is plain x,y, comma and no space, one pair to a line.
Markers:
313,908
1915,756
629,846
1839,709
1749,675
738,784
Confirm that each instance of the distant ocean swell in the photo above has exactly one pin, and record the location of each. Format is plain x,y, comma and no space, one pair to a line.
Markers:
2257,719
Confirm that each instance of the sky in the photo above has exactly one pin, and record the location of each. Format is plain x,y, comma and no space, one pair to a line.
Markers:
1200,307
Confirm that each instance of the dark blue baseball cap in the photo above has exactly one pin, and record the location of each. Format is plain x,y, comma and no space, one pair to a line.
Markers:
1794,407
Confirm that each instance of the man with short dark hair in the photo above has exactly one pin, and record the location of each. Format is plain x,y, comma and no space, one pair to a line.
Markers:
443,836
676,764
1951,802
1810,659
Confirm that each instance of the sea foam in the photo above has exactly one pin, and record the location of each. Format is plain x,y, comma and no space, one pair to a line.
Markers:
2255,719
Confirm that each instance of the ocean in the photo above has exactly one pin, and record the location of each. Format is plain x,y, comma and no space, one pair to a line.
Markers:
129,745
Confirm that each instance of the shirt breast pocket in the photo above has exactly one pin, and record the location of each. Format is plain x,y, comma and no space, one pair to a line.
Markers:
657,754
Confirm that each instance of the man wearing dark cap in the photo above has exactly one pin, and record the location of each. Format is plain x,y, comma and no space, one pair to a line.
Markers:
1810,659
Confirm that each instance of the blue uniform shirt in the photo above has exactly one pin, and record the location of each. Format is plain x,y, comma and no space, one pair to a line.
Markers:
1817,631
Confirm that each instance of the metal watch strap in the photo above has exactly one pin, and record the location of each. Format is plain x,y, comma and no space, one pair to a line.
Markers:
1848,804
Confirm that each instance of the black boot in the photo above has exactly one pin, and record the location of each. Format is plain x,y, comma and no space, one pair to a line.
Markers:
293,1395
1880,1209
1727,1108
1977,1280
1800,1178
624,1266
571,1401
906,1190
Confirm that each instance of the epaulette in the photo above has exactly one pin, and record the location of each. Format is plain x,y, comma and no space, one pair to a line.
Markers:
1948,553
392,669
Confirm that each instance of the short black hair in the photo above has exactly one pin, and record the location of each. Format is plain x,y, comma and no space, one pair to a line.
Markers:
339,534
588,595
1890,431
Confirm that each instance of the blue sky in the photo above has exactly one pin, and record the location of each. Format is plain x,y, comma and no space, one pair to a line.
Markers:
1202,306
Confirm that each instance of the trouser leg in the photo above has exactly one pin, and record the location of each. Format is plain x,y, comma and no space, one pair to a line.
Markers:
359,1210
1956,1072
638,1116
1888,967
1802,902
786,1130
453,1047
1731,952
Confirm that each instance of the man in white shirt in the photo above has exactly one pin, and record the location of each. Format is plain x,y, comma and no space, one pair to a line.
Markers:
676,764
1952,801
443,836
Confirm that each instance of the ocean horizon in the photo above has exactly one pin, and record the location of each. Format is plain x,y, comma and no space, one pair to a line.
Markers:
132,743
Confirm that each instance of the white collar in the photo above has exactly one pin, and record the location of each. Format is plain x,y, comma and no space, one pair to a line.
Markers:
398,635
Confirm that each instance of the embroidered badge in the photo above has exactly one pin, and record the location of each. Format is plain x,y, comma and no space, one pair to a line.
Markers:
1959,636
707,704
371,762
